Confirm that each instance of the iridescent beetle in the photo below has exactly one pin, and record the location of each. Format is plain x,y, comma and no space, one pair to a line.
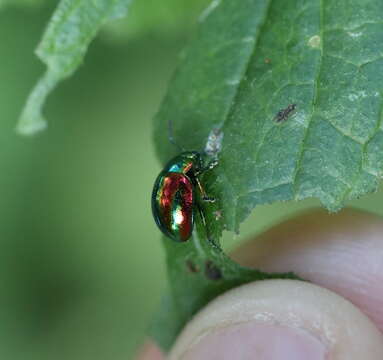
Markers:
174,197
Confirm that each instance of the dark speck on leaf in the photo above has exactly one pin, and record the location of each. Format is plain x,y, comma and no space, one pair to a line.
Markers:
192,267
212,272
283,115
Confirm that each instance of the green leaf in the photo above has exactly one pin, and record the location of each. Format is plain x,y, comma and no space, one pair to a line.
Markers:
4,3
71,29
251,61
165,17
197,273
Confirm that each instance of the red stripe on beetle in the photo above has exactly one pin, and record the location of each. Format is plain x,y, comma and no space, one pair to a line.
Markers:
176,204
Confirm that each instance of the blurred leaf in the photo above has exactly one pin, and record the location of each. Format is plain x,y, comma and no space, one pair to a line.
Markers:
4,3
166,17
250,62
72,27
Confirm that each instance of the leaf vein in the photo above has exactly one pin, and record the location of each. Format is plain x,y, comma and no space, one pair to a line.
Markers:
246,67
315,96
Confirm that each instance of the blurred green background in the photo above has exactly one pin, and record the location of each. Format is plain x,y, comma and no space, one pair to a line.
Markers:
82,267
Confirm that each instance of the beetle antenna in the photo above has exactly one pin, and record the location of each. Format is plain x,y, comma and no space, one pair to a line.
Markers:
171,135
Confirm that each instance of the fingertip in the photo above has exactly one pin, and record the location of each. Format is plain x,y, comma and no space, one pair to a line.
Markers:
150,351
279,319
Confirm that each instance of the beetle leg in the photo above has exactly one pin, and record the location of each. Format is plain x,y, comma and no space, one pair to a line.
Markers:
203,192
211,165
204,223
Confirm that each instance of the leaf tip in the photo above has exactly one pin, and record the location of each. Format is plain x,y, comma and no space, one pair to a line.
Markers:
30,126
31,120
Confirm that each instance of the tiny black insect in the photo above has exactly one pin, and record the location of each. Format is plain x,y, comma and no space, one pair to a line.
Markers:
212,272
283,115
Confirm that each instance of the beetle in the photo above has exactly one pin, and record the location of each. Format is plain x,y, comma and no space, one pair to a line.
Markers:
174,197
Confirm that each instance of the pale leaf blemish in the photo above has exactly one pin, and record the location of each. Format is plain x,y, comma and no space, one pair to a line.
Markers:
211,7
355,34
233,82
315,42
248,39
358,95
301,118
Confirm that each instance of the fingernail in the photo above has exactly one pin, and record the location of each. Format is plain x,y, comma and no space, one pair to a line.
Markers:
257,341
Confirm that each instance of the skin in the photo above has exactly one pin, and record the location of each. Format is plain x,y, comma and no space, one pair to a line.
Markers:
337,315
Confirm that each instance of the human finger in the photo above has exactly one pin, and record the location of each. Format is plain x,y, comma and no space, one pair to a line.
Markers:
342,252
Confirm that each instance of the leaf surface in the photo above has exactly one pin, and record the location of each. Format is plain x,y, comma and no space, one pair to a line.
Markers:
164,18
251,61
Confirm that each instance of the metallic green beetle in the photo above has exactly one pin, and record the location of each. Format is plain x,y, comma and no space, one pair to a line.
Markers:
174,195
